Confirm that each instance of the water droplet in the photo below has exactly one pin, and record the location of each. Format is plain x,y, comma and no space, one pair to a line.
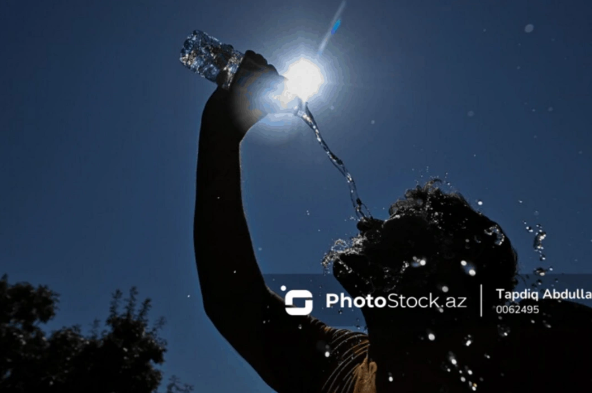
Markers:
536,212
519,201
503,330
307,213
468,340
539,271
463,379
480,202
283,287
340,311
444,288
372,122
300,327
452,358
528,28
547,324
529,229
487,356
431,336
327,354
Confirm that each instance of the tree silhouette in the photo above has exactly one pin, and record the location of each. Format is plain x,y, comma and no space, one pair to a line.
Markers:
121,358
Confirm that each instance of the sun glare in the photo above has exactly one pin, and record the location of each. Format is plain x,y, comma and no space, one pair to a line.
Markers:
304,78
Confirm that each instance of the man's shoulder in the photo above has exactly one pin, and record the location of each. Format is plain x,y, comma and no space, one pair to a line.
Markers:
340,342
348,350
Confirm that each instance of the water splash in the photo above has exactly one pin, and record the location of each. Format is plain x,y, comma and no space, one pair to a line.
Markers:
361,210
499,236
339,245
538,242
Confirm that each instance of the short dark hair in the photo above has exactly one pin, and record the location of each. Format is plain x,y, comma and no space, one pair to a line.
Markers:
461,234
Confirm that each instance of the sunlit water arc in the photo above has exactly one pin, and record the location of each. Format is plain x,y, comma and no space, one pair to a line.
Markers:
362,211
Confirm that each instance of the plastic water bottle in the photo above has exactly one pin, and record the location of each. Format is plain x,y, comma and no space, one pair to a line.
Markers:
208,57
218,62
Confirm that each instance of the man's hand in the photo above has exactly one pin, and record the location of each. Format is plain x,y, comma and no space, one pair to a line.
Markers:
253,94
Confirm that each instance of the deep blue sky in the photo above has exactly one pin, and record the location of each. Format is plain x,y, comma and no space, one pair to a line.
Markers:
99,128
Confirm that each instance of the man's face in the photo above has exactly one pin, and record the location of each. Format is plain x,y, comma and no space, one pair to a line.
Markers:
404,241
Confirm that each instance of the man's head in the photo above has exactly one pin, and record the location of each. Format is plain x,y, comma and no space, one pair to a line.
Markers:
433,242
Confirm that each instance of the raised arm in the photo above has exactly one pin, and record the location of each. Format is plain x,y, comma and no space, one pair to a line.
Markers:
288,352
225,258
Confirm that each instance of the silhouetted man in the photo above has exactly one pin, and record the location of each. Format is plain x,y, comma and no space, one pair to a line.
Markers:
433,243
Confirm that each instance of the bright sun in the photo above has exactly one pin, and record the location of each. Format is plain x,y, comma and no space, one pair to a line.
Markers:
304,78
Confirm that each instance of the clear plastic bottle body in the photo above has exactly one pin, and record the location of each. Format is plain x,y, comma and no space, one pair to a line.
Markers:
219,63
208,57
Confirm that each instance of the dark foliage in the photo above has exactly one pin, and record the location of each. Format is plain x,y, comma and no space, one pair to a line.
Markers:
121,358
